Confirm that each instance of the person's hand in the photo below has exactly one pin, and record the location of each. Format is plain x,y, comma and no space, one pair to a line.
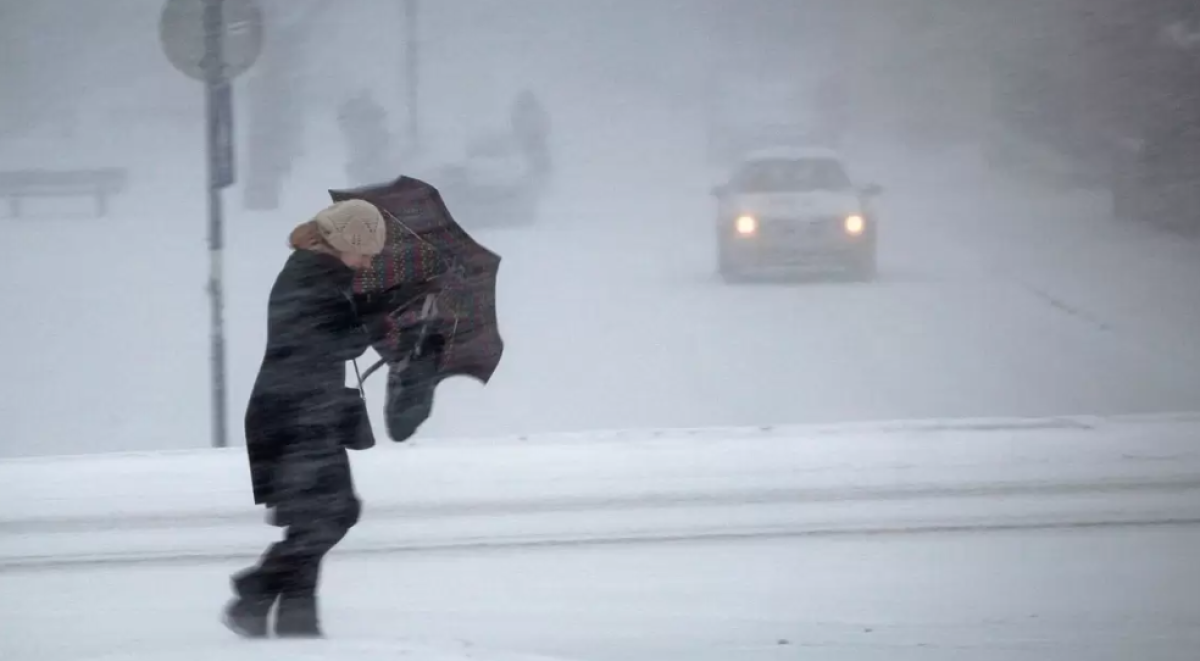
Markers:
377,328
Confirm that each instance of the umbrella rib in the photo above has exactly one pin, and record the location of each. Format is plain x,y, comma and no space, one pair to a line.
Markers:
409,230
450,265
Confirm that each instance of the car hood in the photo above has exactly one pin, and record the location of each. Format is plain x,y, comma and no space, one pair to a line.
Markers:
819,203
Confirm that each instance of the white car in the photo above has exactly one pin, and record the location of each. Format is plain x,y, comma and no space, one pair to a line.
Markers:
493,185
494,162
795,209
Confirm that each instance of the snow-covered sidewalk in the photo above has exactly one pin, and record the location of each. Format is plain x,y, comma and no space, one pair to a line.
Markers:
630,485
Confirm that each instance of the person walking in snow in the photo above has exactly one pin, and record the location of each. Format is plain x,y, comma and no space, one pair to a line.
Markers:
298,461
370,147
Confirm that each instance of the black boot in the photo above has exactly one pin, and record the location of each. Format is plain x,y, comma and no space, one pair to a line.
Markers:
247,614
297,617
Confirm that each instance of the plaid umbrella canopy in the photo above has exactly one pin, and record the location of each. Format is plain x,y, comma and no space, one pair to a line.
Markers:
427,252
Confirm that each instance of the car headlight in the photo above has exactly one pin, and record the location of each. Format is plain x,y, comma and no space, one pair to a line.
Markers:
854,225
746,224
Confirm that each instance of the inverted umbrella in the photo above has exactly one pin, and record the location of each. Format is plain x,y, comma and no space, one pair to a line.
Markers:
439,279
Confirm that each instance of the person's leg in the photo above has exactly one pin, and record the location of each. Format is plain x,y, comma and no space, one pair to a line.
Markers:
255,590
258,587
299,559
319,517
315,503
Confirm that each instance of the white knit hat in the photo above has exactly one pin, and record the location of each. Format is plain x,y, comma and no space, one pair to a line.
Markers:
353,226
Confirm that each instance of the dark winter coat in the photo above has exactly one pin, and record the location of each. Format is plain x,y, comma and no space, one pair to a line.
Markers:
313,329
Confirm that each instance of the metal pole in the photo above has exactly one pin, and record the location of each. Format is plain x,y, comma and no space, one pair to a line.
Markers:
412,72
215,86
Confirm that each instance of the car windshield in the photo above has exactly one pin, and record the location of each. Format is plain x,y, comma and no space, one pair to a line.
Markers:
791,175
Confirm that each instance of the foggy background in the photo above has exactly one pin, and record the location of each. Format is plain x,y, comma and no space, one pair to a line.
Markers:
1007,286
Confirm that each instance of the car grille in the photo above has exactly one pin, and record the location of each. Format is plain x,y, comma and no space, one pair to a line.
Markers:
799,229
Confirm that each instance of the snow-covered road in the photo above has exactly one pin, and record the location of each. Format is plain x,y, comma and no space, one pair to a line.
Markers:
614,319
628,487
959,325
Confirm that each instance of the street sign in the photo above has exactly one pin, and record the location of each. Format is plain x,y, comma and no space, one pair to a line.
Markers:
181,31
214,41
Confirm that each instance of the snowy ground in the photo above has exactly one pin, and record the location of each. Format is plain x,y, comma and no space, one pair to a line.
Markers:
633,485
1102,594
1049,539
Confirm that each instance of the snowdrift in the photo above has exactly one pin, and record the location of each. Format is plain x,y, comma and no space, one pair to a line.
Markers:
628,486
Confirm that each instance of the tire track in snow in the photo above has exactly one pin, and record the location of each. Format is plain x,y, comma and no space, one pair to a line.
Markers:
1069,309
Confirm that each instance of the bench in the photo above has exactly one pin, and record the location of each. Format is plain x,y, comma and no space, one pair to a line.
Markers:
99,184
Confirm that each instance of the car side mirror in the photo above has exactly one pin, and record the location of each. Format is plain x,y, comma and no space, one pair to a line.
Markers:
872,190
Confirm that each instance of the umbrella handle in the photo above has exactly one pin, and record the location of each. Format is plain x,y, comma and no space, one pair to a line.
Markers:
428,309
383,361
